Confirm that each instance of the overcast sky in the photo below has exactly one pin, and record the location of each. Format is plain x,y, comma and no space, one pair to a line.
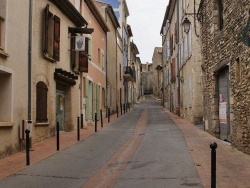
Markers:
145,19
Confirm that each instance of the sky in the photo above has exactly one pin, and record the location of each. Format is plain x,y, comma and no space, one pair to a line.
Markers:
145,19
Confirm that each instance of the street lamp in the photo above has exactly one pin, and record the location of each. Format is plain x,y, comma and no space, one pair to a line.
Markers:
186,25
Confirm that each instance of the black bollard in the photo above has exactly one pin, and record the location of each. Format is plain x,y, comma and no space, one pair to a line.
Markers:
117,111
213,147
101,118
57,136
78,128
81,121
95,122
124,110
108,114
121,109
27,132
129,106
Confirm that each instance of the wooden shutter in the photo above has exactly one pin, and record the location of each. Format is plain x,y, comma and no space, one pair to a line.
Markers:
41,102
56,42
45,29
83,58
73,52
173,72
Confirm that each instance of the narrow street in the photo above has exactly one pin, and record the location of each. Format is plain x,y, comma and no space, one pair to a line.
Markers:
142,148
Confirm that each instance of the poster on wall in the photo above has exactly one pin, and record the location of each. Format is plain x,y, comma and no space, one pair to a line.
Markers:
223,112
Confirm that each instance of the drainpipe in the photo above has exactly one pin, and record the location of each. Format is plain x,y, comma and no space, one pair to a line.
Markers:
178,61
106,75
29,59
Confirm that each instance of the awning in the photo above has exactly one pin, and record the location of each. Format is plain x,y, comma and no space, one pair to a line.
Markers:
65,76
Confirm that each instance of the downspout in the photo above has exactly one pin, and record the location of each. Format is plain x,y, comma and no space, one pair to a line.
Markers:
29,59
178,61
106,75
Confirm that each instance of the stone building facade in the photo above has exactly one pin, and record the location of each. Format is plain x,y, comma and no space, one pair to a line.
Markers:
157,71
225,68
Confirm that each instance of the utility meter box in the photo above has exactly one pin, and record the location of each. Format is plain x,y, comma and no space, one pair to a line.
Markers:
26,124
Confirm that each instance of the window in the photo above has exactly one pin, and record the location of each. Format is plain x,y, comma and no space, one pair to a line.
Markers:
103,60
41,102
1,33
51,41
3,9
238,70
218,14
5,95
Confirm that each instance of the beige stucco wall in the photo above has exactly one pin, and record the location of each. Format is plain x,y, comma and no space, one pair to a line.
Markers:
43,70
16,66
191,73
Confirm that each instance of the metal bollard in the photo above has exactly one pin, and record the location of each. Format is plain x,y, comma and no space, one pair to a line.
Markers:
213,147
78,128
124,110
101,118
27,132
95,122
108,114
121,109
57,136
81,121
117,111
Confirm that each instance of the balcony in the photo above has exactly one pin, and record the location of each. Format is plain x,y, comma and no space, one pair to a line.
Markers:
128,74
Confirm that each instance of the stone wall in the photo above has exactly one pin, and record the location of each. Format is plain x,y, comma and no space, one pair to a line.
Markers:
221,48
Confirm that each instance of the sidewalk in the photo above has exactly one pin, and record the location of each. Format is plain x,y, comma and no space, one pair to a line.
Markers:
233,166
16,162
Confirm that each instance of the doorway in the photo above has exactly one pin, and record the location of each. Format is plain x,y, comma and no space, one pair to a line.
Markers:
60,109
224,115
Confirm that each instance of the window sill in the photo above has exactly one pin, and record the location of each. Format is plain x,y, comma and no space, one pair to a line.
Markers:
7,124
45,124
47,57
3,54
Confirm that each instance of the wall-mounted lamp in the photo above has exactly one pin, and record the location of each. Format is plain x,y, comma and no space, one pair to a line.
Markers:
186,23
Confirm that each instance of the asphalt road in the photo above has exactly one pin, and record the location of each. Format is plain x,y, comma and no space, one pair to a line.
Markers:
142,148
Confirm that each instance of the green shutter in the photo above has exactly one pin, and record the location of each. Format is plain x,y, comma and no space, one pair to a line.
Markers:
86,99
90,48
98,101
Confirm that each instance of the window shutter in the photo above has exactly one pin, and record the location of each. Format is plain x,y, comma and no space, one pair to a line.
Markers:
87,99
83,62
41,102
90,49
56,45
45,29
72,52
83,58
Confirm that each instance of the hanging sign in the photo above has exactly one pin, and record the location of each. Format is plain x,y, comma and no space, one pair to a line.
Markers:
79,43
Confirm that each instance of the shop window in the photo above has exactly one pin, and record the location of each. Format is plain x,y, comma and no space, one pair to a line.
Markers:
41,102
51,40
